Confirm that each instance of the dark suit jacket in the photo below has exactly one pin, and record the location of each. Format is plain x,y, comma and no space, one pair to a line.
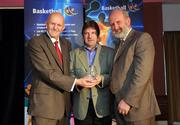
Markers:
49,97
101,95
132,76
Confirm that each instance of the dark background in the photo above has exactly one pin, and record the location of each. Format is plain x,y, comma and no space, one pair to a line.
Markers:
12,66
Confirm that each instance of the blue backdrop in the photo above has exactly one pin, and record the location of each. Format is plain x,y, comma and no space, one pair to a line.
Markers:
75,13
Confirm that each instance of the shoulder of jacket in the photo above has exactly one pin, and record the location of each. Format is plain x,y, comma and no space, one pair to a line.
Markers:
76,50
106,48
64,40
36,40
139,33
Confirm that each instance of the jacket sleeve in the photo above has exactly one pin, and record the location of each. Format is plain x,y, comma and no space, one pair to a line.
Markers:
72,72
142,69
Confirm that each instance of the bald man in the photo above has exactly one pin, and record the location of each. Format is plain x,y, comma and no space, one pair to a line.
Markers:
51,83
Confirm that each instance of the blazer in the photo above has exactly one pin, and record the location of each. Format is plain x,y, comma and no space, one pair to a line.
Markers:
132,76
49,96
101,95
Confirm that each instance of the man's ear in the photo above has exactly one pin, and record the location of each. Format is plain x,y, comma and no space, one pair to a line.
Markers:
99,39
63,28
128,21
46,24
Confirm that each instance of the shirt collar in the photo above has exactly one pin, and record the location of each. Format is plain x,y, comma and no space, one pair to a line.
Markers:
86,48
52,39
127,34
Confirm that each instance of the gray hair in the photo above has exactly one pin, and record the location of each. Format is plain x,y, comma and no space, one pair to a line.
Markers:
124,12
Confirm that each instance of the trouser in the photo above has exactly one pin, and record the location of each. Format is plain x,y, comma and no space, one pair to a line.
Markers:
92,119
46,121
121,121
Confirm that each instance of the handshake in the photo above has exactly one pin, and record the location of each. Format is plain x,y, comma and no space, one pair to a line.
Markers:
88,81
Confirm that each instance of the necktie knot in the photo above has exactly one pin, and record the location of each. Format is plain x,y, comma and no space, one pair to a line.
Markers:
122,42
56,42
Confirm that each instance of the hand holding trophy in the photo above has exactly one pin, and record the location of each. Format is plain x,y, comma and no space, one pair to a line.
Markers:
94,78
90,79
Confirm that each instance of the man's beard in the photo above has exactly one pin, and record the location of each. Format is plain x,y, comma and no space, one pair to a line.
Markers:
122,34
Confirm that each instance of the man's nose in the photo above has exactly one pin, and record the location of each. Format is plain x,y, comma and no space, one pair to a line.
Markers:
89,35
116,27
55,26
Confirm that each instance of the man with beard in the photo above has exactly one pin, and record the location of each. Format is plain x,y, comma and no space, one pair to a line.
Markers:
132,75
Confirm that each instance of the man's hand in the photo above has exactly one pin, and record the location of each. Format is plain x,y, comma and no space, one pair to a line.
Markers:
123,107
88,82
94,80
98,79
85,82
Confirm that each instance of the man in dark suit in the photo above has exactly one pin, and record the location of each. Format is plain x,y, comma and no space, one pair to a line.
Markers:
49,56
132,75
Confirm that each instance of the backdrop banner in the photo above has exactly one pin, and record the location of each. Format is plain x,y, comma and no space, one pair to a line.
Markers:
98,10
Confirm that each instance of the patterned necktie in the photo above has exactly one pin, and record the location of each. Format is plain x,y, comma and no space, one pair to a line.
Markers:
58,51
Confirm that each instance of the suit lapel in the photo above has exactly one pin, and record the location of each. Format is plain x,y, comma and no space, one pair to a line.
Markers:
52,50
65,49
83,58
124,45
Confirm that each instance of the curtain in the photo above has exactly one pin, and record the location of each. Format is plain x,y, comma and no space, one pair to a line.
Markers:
172,57
11,70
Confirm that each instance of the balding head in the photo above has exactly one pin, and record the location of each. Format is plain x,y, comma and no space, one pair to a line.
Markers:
55,14
55,24
119,12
